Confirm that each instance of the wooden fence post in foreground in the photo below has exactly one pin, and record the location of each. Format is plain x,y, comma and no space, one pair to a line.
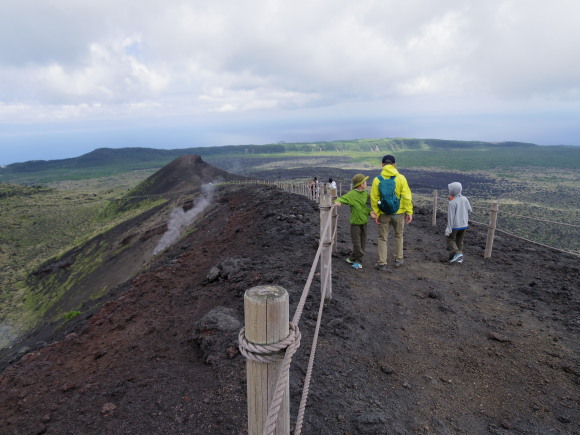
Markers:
326,240
266,316
434,219
491,229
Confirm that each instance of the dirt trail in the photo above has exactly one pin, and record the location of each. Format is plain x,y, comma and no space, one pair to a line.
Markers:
488,346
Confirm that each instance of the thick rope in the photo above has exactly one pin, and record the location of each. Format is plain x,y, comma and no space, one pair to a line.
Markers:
273,352
306,389
527,240
538,219
270,425
267,353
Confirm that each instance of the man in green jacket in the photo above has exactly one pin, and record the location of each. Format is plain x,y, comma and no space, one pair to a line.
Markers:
397,220
358,199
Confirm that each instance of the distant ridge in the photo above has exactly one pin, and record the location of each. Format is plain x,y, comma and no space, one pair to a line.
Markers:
104,162
185,173
135,155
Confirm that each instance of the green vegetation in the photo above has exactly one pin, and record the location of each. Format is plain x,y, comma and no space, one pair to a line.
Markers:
71,315
40,223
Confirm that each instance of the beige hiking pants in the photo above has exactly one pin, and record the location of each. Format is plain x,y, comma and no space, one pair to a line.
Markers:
385,222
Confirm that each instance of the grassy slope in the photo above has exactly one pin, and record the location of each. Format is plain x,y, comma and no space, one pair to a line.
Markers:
39,223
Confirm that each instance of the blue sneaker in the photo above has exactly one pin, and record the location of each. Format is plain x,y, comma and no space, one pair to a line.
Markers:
357,266
457,257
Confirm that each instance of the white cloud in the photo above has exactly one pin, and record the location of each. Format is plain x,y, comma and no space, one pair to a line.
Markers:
185,58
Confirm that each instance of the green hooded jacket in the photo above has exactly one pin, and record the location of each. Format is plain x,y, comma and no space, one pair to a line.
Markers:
359,209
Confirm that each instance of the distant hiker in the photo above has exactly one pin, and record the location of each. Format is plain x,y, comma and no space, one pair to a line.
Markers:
331,184
396,219
457,221
358,200
313,183
314,187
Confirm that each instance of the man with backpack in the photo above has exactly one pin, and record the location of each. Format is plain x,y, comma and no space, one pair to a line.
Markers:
392,202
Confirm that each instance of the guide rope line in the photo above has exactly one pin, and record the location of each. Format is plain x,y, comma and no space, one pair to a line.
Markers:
503,212
538,219
308,376
270,425
523,238
288,347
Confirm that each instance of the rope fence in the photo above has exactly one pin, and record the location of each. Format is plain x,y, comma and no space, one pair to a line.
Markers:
275,421
488,209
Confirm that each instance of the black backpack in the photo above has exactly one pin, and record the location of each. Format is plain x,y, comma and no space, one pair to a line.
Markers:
388,201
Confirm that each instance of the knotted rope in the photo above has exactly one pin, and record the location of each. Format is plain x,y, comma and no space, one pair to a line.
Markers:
269,353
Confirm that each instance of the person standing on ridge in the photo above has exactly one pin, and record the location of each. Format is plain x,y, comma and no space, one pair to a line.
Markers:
457,221
314,188
404,215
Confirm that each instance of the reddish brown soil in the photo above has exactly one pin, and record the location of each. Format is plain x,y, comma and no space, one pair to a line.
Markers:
488,346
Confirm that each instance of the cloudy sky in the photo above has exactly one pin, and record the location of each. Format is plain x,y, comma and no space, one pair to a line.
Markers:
76,75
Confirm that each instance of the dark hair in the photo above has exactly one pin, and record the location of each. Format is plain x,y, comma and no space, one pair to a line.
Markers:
388,159
330,180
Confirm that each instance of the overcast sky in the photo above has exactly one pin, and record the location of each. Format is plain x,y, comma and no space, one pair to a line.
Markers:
76,75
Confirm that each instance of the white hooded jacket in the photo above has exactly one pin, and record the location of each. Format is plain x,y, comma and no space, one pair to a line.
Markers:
459,209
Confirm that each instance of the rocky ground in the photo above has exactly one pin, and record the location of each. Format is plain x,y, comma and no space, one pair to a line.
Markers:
487,346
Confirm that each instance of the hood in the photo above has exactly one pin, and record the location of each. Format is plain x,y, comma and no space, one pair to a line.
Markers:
389,171
455,189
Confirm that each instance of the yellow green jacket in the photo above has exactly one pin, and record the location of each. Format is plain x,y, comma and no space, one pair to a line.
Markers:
401,190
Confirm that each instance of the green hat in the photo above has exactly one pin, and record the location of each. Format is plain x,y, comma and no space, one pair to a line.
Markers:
357,180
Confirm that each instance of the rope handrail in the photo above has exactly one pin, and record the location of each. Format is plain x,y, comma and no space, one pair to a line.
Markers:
281,381
523,238
537,243
538,219
308,376
505,213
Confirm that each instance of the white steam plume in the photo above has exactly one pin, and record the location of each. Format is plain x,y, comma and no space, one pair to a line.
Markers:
179,219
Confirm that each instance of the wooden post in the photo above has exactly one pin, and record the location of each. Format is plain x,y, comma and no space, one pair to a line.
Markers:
434,219
491,229
326,240
266,316
334,218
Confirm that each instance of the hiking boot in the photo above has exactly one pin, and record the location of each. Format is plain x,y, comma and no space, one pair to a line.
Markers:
398,262
381,267
457,257
349,260
357,266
